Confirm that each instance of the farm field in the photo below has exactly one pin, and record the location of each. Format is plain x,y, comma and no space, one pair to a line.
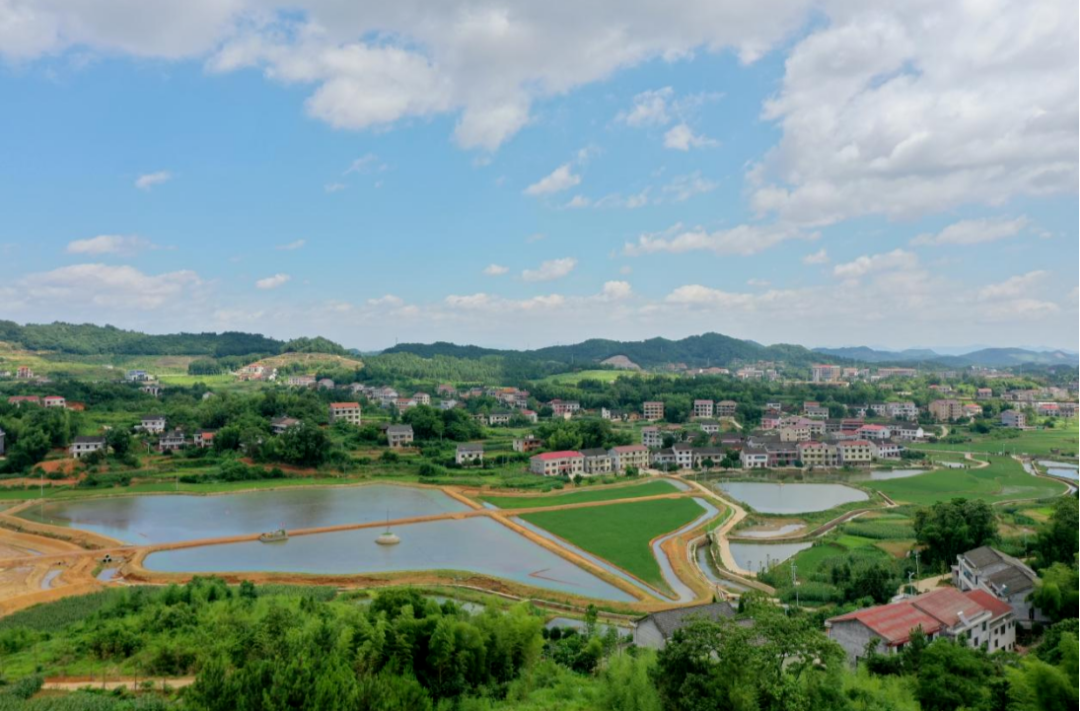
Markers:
1004,480
1037,442
621,533
652,488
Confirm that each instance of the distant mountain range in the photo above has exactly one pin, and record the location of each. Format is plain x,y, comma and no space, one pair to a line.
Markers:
987,357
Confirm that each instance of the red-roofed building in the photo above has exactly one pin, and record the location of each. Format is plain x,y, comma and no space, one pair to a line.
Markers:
874,432
946,612
566,463
24,400
54,401
630,455
345,412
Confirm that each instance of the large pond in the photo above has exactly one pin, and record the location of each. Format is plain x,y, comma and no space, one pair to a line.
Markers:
887,474
756,557
168,518
770,498
478,544
1062,470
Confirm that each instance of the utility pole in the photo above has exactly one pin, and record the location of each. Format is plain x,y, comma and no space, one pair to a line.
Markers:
795,583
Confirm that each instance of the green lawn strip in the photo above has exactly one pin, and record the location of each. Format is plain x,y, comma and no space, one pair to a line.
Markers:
1003,480
652,488
1037,442
620,533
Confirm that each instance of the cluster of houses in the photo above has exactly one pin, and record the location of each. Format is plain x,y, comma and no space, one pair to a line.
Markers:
989,598
590,462
47,401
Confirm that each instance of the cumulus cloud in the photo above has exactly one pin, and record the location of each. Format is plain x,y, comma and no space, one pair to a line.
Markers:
870,263
971,232
562,178
149,180
386,300
495,270
650,108
273,282
682,138
616,290
742,240
684,187
122,288
125,245
1013,286
885,111
550,270
819,257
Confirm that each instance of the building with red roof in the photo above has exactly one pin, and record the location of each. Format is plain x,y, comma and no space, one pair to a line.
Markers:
345,412
565,463
976,615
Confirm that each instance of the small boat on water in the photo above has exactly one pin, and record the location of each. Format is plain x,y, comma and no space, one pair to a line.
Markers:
274,536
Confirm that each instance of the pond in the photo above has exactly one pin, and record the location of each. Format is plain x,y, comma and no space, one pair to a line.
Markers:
1062,470
775,498
785,530
167,518
887,474
478,545
756,557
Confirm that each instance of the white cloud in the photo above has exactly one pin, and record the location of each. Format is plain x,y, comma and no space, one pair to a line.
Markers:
969,232
498,304
616,290
386,300
273,282
125,245
922,106
684,187
650,109
682,138
291,246
868,264
578,202
366,163
550,270
1013,286
149,180
121,288
741,240
562,178
495,270
818,257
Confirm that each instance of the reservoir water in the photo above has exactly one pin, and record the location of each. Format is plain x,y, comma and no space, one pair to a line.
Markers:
144,520
756,557
471,545
1062,470
775,498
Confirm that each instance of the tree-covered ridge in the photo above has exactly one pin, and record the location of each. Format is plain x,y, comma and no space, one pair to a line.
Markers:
707,349
90,339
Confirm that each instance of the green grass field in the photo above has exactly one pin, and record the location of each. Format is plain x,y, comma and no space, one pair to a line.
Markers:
621,533
1003,480
651,488
604,376
1039,442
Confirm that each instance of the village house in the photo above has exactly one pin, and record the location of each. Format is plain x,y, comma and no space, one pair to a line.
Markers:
795,432
1001,575
531,416
703,408
652,410
203,439
1044,409
596,462
1067,409
24,372
345,412
1013,418
972,409
82,446
654,630
855,452
172,441
447,404
680,454
818,454
256,371
154,389
906,430
445,389
564,408
885,449
278,425
709,427
20,400
152,424
984,393
325,384
946,410
384,395
897,372
499,419
782,454
707,457
975,616
300,381
54,401
874,432
652,437
815,410
754,458
821,373
771,421
726,408
402,404
564,463
469,453
629,455
398,436
528,443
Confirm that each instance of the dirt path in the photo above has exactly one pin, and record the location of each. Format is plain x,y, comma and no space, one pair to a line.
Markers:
74,684
738,513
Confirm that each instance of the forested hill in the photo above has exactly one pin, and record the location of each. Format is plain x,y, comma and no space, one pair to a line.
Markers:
697,351
89,339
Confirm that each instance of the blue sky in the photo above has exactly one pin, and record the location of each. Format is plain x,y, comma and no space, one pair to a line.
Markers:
821,174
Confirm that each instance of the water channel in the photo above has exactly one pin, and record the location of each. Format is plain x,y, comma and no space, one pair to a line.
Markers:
777,498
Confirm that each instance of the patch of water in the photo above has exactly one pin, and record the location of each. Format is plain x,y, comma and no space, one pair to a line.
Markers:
756,557
784,530
777,498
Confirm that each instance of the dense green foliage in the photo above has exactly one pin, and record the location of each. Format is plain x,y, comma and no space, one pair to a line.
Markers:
949,528
89,339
